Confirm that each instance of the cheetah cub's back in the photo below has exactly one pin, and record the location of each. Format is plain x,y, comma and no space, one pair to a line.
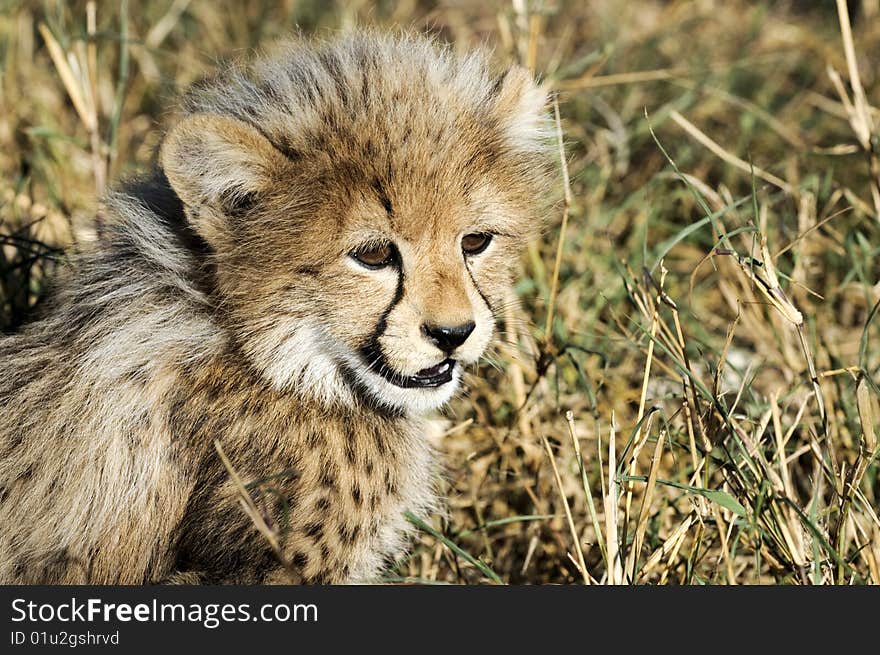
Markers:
321,249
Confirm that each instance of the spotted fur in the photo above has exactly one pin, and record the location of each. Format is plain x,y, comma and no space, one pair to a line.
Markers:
220,301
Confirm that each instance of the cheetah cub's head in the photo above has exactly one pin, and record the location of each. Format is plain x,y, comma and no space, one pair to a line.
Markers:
365,202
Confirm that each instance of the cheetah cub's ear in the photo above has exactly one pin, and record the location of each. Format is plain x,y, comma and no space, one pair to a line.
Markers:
218,166
521,103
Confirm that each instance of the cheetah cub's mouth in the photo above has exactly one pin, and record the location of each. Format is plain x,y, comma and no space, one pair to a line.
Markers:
427,378
433,376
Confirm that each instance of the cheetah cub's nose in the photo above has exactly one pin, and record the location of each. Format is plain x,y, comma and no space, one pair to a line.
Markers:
448,338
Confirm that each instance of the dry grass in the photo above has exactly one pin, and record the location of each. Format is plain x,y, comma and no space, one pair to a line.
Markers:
689,391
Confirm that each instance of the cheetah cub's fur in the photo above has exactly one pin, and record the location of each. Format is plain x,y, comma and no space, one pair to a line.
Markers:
320,250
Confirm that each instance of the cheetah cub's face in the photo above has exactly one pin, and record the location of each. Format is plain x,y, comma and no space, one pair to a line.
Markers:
365,205
430,287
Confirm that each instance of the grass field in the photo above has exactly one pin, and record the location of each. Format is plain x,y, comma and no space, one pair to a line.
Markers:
689,392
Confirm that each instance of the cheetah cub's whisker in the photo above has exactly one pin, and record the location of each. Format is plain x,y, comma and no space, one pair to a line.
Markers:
321,247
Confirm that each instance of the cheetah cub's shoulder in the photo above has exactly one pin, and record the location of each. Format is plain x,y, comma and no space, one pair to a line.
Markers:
321,249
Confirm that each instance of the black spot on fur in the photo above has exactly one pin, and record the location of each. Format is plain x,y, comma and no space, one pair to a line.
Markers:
300,561
356,495
349,450
348,533
315,531
329,472
380,442
390,486
327,479
26,475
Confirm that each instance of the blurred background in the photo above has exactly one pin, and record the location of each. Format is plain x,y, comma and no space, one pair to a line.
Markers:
688,392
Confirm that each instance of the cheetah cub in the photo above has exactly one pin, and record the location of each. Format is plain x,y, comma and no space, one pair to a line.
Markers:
321,249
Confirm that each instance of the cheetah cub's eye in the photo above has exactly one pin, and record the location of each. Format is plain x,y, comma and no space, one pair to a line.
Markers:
474,244
374,256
